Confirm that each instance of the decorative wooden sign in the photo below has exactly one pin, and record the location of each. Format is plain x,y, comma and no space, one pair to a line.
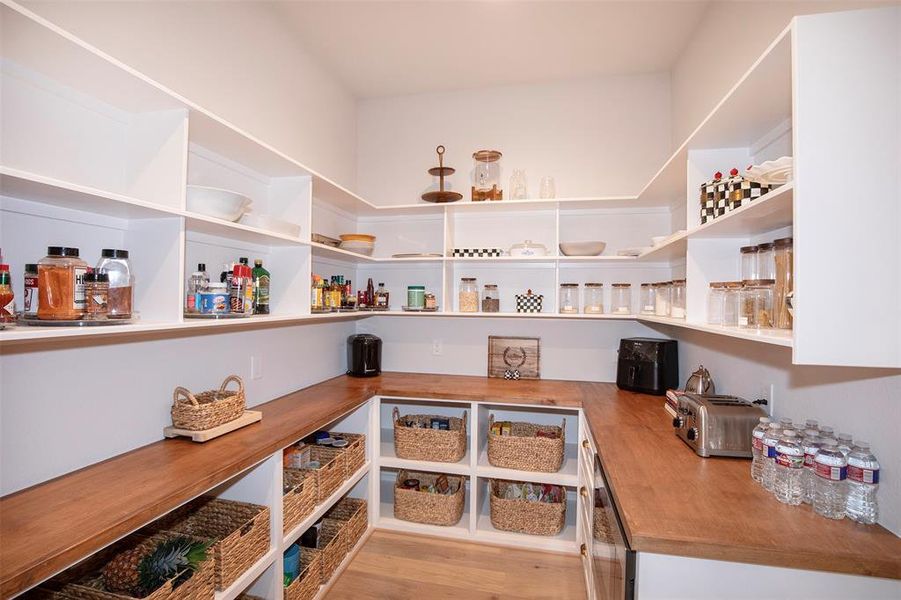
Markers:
514,357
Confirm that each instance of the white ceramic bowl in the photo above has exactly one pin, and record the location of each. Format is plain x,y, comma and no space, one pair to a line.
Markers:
582,248
216,202
271,224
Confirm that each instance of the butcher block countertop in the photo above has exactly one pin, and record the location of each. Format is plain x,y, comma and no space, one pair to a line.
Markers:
671,501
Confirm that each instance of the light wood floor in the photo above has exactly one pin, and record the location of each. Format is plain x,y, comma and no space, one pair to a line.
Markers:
397,566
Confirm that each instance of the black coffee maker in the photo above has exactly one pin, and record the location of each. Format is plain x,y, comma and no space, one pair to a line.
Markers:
647,365
364,355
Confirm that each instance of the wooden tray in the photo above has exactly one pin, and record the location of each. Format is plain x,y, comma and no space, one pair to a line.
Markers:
249,416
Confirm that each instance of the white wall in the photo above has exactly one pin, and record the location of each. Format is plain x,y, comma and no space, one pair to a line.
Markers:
603,136
66,408
236,59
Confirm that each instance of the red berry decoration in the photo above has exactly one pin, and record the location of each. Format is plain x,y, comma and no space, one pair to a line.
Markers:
733,172
717,175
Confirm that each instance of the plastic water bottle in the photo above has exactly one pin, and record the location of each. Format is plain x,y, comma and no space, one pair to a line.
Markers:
811,443
863,481
757,449
770,439
845,443
785,423
826,432
812,424
831,490
787,486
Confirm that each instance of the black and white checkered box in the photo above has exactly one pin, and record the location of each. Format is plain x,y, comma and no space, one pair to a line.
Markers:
477,252
741,191
529,303
708,201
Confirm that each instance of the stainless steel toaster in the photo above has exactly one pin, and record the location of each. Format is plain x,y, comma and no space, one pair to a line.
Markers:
716,425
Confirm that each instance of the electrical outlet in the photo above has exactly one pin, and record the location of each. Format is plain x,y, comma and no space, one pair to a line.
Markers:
437,347
766,392
256,367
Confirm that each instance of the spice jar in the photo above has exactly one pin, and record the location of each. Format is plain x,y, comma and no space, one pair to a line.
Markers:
569,298
115,264
491,300
677,299
647,300
61,284
468,297
431,302
594,299
7,298
749,266
96,292
766,261
715,297
662,298
621,299
30,297
731,303
784,285
756,304
416,296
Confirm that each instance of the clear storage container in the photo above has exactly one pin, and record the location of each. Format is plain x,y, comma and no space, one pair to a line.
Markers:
783,255
594,299
749,266
662,298
715,296
647,298
766,261
121,282
621,299
731,303
569,298
756,304
677,299
61,284
469,295
491,300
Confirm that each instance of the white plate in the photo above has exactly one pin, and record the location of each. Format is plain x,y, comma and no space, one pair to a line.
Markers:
632,251
216,202
772,172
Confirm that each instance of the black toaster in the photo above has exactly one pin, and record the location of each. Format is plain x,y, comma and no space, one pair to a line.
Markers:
647,365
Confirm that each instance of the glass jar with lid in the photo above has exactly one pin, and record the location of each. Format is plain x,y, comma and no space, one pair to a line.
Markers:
468,298
756,304
61,284
784,283
749,265
96,291
766,261
647,298
621,299
486,176
677,299
416,297
594,299
715,297
115,264
731,303
662,298
491,300
569,298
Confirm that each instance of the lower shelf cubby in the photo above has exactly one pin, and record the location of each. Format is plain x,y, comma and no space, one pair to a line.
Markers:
388,519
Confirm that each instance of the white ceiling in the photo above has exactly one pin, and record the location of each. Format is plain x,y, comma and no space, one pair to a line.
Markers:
380,48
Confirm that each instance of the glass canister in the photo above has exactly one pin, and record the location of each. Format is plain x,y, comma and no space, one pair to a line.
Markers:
486,176
61,285
594,299
621,299
662,298
121,282
731,303
416,296
783,256
715,296
749,266
677,299
468,297
766,261
756,304
647,298
491,299
569,298
518,187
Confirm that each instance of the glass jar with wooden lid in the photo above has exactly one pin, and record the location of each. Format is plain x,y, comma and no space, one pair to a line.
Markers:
594,299
677,299
756,304
486,176
569,298
647,298
731,303
621,299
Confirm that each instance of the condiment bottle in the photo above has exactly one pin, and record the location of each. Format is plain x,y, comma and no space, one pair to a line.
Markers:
381,297
261,280
30,298
96,291
237,289
7,299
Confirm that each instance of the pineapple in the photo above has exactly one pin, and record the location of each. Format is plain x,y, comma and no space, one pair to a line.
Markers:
121,573
177,556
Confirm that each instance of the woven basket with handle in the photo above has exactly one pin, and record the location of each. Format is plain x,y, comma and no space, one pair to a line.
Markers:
524,450
198,412
425,443
524,516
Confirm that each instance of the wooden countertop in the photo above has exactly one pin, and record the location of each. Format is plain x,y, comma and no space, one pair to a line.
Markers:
672,501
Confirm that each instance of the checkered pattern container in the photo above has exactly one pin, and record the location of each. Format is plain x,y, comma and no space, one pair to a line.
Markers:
529,303
722,198
740,191
708,201
477,252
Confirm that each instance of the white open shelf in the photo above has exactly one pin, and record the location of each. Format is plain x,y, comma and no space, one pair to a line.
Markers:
568,474
777,337
388,458
321,508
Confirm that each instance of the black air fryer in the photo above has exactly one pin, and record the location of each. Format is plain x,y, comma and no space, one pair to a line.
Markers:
364,355
647,365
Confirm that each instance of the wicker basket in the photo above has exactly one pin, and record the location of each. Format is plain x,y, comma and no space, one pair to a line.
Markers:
354,451
300,497
239,530
425,443
306,585
524,450
207,409
524,516
330,474
423,507
84,581
332,548
353,512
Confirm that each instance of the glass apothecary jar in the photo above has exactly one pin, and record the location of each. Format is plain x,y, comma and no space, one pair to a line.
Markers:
749,264
756,304
115,264
491,299
766,261
569,298
677,299
416,296
783,255
715,297
647,298
621,299
662,298
731,303
594,299
468,298
486,176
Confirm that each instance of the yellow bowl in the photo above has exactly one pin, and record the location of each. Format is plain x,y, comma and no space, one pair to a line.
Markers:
357,237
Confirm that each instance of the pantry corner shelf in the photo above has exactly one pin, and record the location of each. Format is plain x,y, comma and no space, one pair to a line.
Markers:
568,475
776,337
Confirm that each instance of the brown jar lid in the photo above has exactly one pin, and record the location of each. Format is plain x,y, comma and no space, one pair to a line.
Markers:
717,284
622,285
487,156
467,279
783,242
733,284
749,249
595,284
758,282
678,282
569,285
765,247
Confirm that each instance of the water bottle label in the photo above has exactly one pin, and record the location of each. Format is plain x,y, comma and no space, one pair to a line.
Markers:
832,473
863,475
792,461
808,459
757,443
770,451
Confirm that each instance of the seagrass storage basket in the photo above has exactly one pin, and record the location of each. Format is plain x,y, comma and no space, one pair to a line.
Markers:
306,585
424,443
300,497
353,513
425,507
524,516
525,450
332,548
239,532
84,581
330,474
354,451
198,412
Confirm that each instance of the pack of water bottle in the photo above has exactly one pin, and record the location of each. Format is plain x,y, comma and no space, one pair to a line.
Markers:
813,465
